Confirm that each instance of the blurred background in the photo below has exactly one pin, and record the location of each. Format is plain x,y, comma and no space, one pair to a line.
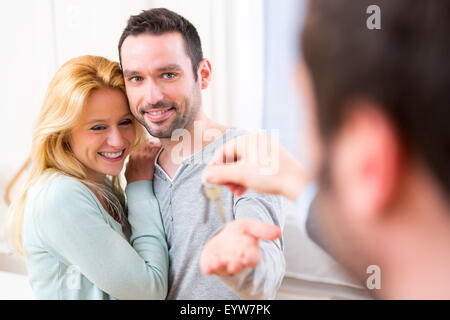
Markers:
253,48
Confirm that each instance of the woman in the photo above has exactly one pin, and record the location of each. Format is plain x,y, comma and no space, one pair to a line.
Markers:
79,239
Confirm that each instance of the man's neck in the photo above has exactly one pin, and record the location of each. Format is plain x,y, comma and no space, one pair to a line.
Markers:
420,269
189,141
415,247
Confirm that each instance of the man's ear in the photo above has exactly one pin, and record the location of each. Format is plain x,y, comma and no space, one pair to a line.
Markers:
366,160
204,72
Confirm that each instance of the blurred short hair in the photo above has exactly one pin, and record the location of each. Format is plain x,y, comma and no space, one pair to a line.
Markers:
403,67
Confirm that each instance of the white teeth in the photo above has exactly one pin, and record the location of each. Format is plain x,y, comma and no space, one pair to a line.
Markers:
111,155
157,113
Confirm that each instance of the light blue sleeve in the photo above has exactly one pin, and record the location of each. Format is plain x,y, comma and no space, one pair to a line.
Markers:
73,227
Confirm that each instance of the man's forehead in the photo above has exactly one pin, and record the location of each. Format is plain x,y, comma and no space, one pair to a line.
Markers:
153,51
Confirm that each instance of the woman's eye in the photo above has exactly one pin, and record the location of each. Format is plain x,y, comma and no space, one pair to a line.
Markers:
125,122
98,127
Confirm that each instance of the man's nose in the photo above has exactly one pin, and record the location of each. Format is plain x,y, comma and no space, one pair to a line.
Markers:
153,93
115,138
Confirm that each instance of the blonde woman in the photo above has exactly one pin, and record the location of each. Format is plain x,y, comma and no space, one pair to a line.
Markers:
79,238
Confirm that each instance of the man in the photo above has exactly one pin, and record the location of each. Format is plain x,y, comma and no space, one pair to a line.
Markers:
379,104
164,71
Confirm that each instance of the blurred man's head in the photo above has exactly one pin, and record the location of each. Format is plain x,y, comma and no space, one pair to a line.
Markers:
164,70
381,104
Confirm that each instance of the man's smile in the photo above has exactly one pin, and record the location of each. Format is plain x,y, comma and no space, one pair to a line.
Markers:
159,115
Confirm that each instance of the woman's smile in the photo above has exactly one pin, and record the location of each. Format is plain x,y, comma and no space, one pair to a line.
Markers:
113,156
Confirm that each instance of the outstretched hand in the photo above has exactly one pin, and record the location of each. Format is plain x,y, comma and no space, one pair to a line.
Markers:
236,247
256,162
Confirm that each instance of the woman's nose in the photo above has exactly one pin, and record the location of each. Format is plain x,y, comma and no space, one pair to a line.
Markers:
115,138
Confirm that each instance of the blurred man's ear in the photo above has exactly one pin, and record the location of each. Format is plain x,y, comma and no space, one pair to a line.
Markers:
204,73
365,164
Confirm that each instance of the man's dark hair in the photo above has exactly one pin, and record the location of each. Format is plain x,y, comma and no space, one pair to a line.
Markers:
160,20
403,67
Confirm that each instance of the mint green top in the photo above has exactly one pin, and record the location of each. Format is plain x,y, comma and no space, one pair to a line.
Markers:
75,250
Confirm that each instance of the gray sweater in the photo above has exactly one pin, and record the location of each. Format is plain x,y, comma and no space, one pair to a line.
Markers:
189,222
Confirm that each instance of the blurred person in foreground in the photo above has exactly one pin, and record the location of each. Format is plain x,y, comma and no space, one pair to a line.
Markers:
379,103
80,237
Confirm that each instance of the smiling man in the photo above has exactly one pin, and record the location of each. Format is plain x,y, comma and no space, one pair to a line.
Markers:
164,71
162,86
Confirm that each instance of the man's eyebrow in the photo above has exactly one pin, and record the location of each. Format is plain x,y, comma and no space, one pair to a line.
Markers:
170,67
129,73
166,68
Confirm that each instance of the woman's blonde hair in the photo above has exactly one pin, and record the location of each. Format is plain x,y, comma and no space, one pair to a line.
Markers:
66,96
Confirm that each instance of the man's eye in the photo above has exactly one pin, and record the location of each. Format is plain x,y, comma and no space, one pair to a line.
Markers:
169,75
125,122
98,127
135,79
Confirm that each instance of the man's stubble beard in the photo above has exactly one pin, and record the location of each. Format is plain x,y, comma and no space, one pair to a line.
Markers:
166,132
191,107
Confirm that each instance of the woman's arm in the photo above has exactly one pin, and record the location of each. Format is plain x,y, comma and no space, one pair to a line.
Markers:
73,228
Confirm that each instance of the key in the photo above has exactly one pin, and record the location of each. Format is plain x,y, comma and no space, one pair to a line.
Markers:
213,192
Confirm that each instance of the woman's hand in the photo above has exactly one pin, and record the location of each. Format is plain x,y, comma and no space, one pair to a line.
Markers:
141,163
